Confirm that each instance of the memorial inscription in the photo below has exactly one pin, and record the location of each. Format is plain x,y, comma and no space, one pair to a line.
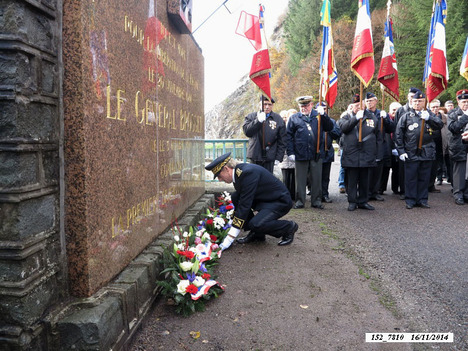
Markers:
133,128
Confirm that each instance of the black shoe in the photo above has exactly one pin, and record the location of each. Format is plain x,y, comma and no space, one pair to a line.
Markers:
252,236
402,196
409,206
424,205
352,207
326,199
366,206
377,197
318,205
459,202
289,237
298,206
439,182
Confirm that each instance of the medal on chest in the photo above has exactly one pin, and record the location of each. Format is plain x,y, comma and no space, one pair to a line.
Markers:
370,123
273,125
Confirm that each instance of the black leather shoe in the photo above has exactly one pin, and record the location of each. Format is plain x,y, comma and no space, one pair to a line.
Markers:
352,207
326,199
424,205
366,206
289,237
439,182
409,206
459,202
402,196
252,236
377,197
298,206
319,206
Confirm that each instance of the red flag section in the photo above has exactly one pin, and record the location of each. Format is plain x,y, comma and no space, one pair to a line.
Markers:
249,27
438,71
388,72
362,58
260,71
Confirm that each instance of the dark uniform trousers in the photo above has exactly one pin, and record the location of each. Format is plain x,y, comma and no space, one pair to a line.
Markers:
266,221
417,174
358,184
326,169
375,179
268,165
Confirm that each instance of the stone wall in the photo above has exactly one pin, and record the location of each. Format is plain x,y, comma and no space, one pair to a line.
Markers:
32,262
93,167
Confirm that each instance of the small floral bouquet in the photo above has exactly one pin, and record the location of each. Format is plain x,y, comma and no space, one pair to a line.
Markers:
189,271
218,221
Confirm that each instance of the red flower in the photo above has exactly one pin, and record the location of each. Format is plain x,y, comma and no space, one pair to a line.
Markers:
213,237
206,276
189,254
209,222
191,289
229,207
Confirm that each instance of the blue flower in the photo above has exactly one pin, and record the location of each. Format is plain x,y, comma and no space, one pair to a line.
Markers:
191,277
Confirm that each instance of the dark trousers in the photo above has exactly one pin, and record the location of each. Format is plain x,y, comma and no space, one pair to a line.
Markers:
358,184
417,174
384,179
375,176
401,174
265,164
326,169
290,181
267,221
396,175
433,175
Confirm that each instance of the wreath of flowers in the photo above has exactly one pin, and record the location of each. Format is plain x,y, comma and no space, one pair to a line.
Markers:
189,280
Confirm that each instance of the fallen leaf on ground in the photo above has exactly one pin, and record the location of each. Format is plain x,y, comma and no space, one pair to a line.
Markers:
304,306
195,334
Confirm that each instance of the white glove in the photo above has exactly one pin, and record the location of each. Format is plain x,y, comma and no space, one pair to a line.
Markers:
229,239
394,152
383,114
226,243
292,157
276,162
320,110
425,115
403,157
359,114
261,116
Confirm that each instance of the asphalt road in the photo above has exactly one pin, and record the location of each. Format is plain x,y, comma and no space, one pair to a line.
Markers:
420,255
346,274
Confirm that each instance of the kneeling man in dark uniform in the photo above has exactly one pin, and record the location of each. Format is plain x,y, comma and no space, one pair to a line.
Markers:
256,190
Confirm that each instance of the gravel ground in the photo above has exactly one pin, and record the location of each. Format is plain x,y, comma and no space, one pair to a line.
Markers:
346,274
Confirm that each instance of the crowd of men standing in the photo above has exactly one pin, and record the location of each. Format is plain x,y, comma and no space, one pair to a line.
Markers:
420,144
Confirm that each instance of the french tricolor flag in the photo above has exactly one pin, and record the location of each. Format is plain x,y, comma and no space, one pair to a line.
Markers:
464,62
436,70
388,72
362,57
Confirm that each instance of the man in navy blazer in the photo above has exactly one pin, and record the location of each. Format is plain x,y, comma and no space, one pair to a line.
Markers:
256,190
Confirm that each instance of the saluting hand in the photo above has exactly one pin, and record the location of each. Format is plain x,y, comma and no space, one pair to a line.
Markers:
425,115
359,114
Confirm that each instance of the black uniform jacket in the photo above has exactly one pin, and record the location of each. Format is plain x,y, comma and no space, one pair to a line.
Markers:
357,154
257,189
408,132
457,124
267,140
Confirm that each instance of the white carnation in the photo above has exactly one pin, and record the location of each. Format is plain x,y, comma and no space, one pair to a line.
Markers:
182,286
186,266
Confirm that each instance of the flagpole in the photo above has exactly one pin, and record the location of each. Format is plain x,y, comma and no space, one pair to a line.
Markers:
360,121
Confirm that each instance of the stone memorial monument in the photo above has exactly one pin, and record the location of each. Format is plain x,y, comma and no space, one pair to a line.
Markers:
101,150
